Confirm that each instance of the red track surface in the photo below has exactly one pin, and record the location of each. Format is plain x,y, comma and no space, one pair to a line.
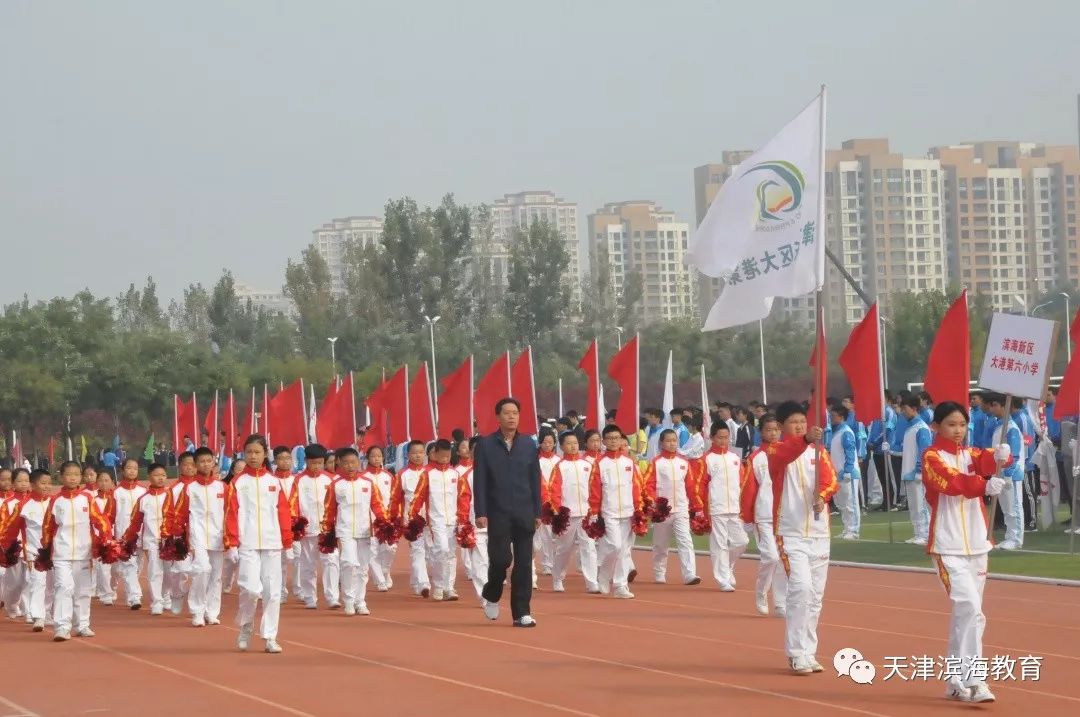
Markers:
673,650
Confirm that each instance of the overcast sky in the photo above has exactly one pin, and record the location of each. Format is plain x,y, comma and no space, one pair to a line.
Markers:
175,139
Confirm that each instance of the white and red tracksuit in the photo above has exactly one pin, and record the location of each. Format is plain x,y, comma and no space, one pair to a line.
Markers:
436,499
570,489
309,500
258,523
200,515
418,569
289,557
959,541
802,537
382,555
148,518
12,578
615,493
27,527
126,495
104,587
465,556
543,540
177,572
719,488
476,557
352,506
73,526
757,508
671,476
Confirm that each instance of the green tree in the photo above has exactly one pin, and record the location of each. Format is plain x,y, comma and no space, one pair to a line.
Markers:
536,295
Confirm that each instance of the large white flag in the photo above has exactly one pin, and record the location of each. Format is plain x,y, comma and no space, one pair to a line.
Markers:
762,233
669,393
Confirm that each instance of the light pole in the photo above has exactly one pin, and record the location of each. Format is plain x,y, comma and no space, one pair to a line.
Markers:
333,356
620,330
1036,309
434,383
1068,315
884,351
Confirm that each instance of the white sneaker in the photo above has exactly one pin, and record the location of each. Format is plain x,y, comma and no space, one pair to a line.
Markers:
763,604
693,581
156,610
815,666
451,596
107,602
310,605
244,638
982,693
1008,545
956,691
62,636
919,541
213,621
350,609
780,610
733,584
389,583
198,621
910,541
800,666
623,593
558,587
383,587
525,621
177,606
85,632
491,610
660,580
727,588
362,609
39,625
592,589
437,595
272,647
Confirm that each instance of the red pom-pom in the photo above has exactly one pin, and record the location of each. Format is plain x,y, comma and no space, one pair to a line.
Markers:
647,504
43,561
561,521
594,526
180,547
109,551
414,528
547,514
639,524
10,555
465,534
299,527
167,549
385,531
700,524
660,511
328,542
130,546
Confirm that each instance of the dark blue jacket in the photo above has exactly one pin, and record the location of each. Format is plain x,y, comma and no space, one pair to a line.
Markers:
506,482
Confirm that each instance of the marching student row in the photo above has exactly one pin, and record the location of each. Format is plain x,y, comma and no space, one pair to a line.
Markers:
594,504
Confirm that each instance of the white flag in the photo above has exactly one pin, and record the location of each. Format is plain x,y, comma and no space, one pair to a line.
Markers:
313,417
669,394
762,233
706,416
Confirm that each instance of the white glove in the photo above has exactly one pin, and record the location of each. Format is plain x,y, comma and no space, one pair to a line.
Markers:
995,485
1072,444
232,555
1002,453
885,446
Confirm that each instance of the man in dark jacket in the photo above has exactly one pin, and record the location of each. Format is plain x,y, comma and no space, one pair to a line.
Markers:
506,488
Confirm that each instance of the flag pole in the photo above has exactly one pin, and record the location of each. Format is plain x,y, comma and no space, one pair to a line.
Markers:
761,343
818,260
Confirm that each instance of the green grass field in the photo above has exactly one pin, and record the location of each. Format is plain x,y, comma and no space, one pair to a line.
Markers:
1045,554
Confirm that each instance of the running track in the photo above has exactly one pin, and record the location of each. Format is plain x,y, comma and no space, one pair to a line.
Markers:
673,650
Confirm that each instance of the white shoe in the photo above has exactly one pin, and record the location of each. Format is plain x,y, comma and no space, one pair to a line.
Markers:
693,581
525,621
623,593
213,621
107,602
350,609
62,636
491,610
310,605
660,581
815,666
545,571
1008,545
198,621
39,626
800,666
451,596
558,587
982,693
956,691
727,588
733,584
389,583
780,610
85,632
592,589
382,587
438,595
244,638
910,541
362,609
272,647
763,604
177,606
919,541
156,610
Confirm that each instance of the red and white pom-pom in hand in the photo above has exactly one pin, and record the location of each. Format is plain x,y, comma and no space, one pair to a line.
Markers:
639,524
43,562
594,526
700,524
660,511
328,542
415,528
561,521
385,531
547,513
465,534
299,527
10,555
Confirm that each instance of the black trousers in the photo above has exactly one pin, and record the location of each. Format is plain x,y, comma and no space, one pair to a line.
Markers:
510,539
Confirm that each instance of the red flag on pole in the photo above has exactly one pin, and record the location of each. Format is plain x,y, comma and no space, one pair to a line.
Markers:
861,361
1068,398
590,364
376,430
819,361
948,367
523,388
185,422
346,412
495,385
455,402
421,420
287,423
326,427
229,439
395,402
210,425
624,370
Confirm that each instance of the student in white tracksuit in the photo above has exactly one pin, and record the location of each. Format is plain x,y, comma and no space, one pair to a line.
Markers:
671,476
353,509
756,501
258,526
616,492
126,495
27,527
435,499
802,529
719,485
917,439
309,501
148,517
199,515
1012,497
570,489
104,587
543,540
843,450
382,557
177,580
13,578
956,478
477,556
283,465
72,527
410,477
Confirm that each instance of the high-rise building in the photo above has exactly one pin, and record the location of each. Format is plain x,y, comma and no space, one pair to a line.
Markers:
332,239
640,237
274,302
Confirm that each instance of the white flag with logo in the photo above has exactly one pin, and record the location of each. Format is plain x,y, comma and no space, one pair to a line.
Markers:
761,234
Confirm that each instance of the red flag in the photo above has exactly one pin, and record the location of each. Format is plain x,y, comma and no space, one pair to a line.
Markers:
230,424
948,367
327,424
624,370
185,422
590,364
376,431
455,403
210,424
395,402
1068,398
819,361
421,420
523,388
52,450
287,420
494,386
346,412
861,361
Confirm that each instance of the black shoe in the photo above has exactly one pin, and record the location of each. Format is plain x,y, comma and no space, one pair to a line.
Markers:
136,606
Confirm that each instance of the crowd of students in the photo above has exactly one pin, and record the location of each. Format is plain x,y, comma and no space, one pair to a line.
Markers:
320,534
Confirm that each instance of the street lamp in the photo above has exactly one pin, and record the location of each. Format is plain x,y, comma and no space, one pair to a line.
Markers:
1068,316
434,383
620,330
333,356
1033,311
884,351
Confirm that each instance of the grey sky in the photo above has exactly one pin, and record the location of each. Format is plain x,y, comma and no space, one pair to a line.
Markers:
174,139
